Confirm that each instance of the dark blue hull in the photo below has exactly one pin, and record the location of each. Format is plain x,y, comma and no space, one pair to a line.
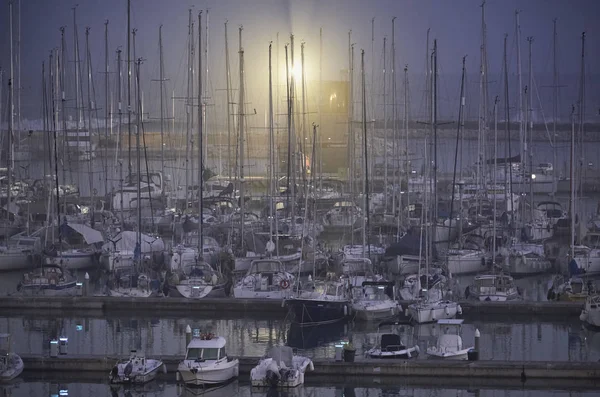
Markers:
308,311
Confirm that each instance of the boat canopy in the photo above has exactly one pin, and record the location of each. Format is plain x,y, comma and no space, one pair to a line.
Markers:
217,342
91,236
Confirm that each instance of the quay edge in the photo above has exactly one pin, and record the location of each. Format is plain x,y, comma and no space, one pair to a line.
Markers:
363,368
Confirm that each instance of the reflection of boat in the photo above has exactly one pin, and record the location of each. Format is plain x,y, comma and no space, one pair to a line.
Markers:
206,362
308,337
136,369
591,311
449,344
227,389
391,345
281,368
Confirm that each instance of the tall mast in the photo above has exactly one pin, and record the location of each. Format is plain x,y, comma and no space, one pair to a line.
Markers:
63,105
200,137
293,129
206,93
162,105
304,132
554,104
435,157
385,128
481,169
129,86
228,83
187,110
17,79
350,106
11,115
573,186
120,131
241,137
395,150
520,93
107,111
271,192
78,99
581,112
529,90
366,218
90,107
373,89
289,128
495,179
507,149
138,131
320,110
406,162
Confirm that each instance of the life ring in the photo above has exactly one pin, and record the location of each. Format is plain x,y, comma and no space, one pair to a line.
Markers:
284,284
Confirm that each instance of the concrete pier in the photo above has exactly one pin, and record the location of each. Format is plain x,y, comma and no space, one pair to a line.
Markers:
510,370
263,306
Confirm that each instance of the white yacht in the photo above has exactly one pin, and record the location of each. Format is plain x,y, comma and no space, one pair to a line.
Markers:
200,280
449,344
265,279
206,362
428,311
280,368
11,364
137,369
375,301
591,311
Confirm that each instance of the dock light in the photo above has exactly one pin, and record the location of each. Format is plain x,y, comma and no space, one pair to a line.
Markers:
63,392
196,287
532,176
79,327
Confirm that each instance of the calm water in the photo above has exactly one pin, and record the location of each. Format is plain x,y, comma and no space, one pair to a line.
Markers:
161,389
501,339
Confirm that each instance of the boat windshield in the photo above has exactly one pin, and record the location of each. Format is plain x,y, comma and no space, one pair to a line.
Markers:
265,266
371,292
331,290
203,353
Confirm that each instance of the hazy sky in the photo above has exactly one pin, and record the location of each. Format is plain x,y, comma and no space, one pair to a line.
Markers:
455,23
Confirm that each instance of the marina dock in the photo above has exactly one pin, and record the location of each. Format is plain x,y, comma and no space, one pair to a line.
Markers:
361,367
249,306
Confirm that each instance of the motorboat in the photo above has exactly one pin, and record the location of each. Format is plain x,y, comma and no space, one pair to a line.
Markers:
206,362
574,289
137,369
449,344
11,364
265,279
391,345
320,302
428,311
280,368
48,280
591,311
495,287
375,301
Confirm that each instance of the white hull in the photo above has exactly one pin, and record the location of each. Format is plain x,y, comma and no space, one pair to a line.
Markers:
466,262
14,369
193,291
523,266
244,293
431,312
212,374
404,353
14,261
130,292
375,312
73,260
448,354
139,375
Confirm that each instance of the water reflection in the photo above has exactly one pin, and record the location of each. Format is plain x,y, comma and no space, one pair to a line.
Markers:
501,339
159,389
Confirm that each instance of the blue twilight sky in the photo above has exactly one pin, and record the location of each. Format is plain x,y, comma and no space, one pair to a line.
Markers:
455,23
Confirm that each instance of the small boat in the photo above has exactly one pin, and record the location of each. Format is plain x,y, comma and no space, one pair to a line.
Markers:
206,362
11,364
320,302
495,287
137,369
201,280
280,368
49,280
449,344
267,279
375,300
591,311
391,345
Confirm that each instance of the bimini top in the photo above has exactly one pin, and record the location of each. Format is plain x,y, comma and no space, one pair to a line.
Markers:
215,342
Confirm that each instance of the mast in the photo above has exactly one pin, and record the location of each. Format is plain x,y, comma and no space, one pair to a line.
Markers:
17,80
63,106
372,90
366,159
188,111
138,158
520,108
554,104
529,90
11,115
395,150
385,128
55,139
78,99
90,106
129,87
205,94
107,111
228,83
573,186
581,111
241,107
271,192
293,130
495,179
508,197
200,136
120,132
320,110
406,162
350,107
162,105
289,127
435,158
304,133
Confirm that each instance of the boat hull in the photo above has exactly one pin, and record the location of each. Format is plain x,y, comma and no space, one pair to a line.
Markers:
212,375
428,313
15,368
362,313
409,352
448,355
138,378
308,311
